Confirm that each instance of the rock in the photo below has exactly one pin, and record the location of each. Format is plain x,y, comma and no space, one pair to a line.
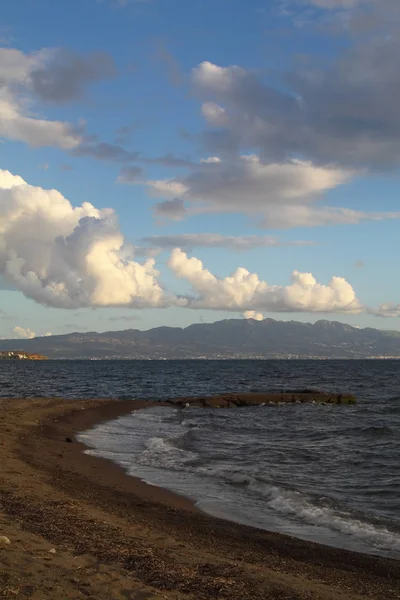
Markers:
4,541
69,440
53,551
231,400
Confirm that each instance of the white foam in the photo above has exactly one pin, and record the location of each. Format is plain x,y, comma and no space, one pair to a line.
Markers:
163,453
155,415
294,505
151,439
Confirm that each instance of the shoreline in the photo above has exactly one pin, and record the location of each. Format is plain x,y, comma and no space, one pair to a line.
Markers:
72,424
141,537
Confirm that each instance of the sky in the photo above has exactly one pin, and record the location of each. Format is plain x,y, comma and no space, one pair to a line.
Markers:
165,162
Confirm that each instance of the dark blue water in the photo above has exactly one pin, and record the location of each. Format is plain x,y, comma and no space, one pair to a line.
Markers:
368,379
327,473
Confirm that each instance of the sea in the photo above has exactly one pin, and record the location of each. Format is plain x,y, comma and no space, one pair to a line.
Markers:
329,474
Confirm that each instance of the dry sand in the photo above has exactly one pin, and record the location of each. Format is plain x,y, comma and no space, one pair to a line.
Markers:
115,537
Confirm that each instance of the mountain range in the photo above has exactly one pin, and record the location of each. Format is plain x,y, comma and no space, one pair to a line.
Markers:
231,338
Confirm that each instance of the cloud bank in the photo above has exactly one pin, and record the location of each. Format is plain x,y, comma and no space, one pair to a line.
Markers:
72,257
386,310
280,195
344,113
244,291
279,143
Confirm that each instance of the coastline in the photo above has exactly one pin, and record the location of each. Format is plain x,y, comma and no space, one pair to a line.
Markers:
124,536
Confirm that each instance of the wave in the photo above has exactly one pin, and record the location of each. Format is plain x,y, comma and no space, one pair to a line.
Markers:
294,505
211,451
164,453
378,430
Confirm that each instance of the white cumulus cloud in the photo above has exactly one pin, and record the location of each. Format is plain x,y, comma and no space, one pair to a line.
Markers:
252,314
243,291
24,334
66,256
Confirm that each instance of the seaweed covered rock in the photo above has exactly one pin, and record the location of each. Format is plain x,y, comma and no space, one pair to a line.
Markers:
231,400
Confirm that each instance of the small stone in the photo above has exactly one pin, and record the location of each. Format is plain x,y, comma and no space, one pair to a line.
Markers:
53,551
4,541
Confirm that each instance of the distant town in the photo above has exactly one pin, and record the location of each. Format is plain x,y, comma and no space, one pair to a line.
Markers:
20,355
26,356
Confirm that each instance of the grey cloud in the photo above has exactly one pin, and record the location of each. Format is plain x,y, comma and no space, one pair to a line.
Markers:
336,4
169,160
124,133
125,129
318,216
186,135
6,285
122,3
53,75
65,76
170,209
129,174
171,64
346,112
147,252
189,241
105,151
280,194
24,76
388,311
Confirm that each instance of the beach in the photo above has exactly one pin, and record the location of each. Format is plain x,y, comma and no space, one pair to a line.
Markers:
79,527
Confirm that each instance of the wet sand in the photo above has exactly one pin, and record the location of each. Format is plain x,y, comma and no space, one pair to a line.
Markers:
116,537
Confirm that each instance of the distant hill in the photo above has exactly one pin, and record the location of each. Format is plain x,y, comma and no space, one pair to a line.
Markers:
231,338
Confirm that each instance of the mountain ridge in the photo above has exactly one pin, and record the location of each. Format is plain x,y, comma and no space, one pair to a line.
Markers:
229,338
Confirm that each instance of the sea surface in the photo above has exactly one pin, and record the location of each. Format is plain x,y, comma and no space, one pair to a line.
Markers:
325,473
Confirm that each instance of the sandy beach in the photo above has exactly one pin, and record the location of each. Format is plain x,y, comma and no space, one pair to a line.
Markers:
79,527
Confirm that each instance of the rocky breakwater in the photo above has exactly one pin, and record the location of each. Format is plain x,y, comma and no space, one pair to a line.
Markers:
264,398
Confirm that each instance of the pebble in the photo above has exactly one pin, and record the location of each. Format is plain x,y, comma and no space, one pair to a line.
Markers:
53,551
4,541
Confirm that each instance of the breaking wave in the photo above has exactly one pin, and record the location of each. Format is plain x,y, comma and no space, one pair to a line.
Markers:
298,471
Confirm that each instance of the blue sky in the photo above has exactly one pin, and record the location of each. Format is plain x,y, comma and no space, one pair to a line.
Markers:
206,158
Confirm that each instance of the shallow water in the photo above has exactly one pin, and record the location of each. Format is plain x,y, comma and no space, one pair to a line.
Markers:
326,473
